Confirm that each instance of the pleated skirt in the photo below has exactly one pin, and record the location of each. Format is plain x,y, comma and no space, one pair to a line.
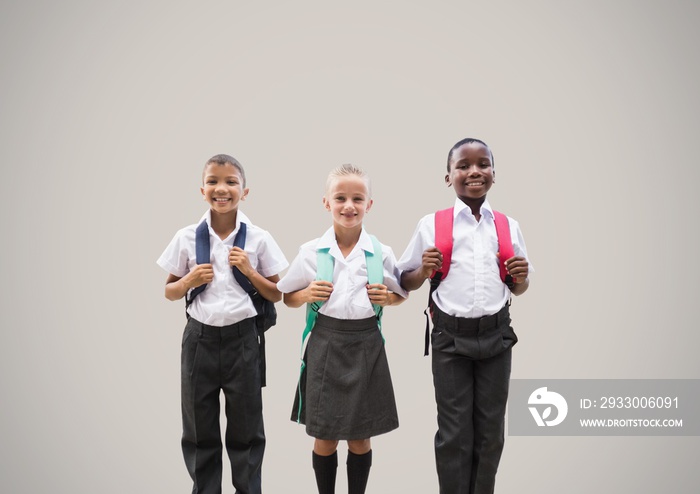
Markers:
345,391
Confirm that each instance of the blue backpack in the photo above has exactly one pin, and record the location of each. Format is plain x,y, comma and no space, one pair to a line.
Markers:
267,314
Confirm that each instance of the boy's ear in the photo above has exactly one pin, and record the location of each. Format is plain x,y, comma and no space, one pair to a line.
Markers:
447,180
369,205
326,204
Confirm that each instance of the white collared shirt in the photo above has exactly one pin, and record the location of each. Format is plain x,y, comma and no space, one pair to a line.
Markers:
223,302
473,287
349,299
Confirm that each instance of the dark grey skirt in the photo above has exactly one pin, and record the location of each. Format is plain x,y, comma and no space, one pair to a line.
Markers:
345,391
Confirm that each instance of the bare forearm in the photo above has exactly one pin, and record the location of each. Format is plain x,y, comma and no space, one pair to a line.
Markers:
395,299
294,299
520,288
413,280
267,287
176,288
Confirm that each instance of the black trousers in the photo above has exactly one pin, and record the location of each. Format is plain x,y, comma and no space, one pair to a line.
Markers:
471,372
227,359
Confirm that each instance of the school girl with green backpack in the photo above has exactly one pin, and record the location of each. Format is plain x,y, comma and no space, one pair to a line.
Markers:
345,278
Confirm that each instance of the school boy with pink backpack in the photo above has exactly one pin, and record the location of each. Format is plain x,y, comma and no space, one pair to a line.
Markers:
484,253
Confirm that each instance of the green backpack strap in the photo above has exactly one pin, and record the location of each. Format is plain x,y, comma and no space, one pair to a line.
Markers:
324,272
375,273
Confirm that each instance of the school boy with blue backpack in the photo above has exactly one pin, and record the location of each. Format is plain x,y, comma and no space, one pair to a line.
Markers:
345,277
476,259
226,268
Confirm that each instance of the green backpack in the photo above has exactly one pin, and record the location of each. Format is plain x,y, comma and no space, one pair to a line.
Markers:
324,271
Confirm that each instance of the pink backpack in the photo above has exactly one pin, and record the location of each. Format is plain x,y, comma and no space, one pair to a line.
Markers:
444,241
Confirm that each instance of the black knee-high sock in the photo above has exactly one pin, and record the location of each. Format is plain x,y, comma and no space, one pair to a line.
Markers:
358,471
325,468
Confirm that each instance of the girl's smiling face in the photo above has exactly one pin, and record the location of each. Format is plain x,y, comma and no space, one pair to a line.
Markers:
348,200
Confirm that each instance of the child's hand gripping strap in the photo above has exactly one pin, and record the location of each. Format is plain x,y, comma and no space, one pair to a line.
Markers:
203,256
324,272
375,274
444,221
505,246
239,241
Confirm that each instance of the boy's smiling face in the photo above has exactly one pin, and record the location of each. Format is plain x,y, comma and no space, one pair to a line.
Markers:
223,187
471,172
348,200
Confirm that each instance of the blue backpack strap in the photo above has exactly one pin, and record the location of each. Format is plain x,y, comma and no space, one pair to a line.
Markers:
267,315
239,241
203,256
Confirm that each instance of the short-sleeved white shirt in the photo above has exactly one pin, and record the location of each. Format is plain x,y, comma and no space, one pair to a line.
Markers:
223,302
349,299
473,287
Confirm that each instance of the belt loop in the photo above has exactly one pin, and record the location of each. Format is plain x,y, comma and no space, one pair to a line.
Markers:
450,322
454,320
504,311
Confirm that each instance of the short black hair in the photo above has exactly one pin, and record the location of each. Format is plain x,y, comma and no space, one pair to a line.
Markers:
223,159
467,140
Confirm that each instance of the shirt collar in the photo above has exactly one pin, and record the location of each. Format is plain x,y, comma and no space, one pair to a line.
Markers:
240,218
460,207
328,241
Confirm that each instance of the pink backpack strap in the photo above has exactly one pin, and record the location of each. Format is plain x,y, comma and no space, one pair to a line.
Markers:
505,245
444,219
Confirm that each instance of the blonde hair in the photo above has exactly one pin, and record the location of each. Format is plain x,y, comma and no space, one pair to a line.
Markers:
346,171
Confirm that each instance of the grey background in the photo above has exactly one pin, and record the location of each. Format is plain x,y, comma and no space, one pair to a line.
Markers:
109,110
